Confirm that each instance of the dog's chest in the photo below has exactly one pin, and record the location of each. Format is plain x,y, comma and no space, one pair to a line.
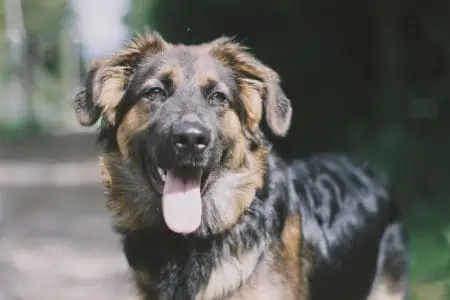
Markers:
266,282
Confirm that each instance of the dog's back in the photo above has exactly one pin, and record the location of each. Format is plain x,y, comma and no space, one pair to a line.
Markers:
351,226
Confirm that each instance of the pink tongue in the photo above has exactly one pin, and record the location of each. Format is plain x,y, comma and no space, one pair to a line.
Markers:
182,204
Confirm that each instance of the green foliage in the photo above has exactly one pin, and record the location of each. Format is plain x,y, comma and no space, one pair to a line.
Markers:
139,17
430,244
44,30
44,21
15,132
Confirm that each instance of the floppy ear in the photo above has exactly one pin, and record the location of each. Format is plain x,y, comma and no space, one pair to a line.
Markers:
86,109
107,79
257,82
278,107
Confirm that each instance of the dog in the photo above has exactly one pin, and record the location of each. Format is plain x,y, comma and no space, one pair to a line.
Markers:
206,209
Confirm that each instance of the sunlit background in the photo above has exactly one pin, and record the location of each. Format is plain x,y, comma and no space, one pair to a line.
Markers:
370,78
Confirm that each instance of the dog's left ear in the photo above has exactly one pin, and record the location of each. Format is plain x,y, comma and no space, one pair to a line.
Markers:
278,109
258,82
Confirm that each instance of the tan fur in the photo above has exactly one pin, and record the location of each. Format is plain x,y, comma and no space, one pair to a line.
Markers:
267,284
132,123
252,104
296,260
206,78
277,277
142,279
232,128
171,73
111,90
230,274
386,289
280,276
292,239
142,46
124,185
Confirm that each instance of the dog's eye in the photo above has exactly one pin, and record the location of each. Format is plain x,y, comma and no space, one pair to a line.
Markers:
155,92
218,98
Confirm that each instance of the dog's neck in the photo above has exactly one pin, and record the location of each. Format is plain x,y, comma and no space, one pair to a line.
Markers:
189,267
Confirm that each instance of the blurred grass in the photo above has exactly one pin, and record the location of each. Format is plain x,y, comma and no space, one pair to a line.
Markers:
51,108
13,134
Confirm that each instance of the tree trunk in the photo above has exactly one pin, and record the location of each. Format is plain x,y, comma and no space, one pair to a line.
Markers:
69,68
19,105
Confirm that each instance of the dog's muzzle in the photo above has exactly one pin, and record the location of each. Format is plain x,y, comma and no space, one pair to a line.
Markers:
190,141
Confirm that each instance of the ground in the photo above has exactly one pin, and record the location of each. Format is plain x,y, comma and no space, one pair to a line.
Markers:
55,235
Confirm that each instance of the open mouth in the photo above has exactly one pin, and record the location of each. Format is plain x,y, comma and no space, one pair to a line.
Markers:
185,172
181,197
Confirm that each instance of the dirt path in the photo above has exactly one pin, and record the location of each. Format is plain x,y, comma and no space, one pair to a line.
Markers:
56,240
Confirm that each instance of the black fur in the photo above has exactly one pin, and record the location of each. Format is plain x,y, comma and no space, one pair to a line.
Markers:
347,208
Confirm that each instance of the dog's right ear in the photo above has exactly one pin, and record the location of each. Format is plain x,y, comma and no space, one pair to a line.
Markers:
107,78
86,109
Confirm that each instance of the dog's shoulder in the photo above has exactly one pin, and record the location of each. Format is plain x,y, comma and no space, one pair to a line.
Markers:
347,170
342,199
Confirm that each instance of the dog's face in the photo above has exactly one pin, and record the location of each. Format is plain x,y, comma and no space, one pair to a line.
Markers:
187,118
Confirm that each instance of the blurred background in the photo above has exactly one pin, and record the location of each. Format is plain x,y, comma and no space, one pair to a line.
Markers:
370,78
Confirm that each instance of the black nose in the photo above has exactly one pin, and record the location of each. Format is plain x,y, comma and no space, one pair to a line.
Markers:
189,135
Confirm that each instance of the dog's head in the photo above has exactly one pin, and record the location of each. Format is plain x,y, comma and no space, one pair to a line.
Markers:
187,118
